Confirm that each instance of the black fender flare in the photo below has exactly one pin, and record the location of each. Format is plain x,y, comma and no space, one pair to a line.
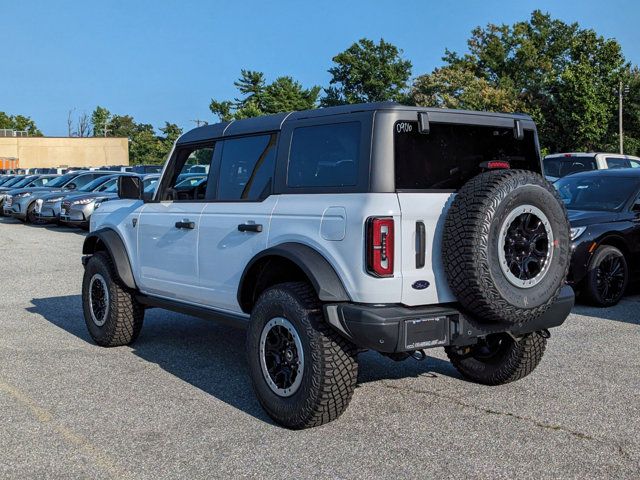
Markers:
117,251
319,271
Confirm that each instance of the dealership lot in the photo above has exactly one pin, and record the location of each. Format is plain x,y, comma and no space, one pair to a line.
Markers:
178,403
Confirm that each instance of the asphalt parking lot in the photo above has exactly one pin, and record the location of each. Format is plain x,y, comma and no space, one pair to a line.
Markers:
178,403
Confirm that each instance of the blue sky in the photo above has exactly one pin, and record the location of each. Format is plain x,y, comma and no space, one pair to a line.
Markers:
165,60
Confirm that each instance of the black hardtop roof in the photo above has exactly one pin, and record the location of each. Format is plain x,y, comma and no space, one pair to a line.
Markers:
610,172
272,123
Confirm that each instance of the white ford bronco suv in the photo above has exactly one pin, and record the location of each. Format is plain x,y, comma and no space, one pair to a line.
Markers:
328,232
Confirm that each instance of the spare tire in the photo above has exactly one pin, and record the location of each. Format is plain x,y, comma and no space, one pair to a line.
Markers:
506,246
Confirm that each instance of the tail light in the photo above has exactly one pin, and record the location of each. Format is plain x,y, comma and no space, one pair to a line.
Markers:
380,246
495,165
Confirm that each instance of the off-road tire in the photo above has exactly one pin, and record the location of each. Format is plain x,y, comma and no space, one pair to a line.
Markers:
124,316
330,368
471,246
515,361
591,292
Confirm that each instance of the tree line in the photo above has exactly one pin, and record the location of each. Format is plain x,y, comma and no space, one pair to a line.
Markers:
566,77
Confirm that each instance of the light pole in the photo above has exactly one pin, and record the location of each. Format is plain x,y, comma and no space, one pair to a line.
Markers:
622,90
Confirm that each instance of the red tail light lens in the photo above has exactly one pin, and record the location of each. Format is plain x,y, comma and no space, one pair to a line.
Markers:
380,246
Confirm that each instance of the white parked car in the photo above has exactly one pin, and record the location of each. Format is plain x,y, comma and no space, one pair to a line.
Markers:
560,165
332,231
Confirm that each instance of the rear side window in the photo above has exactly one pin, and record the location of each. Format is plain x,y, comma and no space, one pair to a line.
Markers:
246,170
324,155
451,154
616,162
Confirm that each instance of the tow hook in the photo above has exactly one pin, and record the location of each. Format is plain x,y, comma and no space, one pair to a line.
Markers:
418,355
544,333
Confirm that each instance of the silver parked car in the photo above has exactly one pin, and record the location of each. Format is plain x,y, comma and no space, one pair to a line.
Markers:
47,207
76,210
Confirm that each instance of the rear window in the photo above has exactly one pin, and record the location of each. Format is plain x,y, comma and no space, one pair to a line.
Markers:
324,155
451,154
562,166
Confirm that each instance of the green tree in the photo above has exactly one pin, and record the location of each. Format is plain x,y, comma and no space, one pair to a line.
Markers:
259,98
20,123
368,72
561,74
99,119
145,145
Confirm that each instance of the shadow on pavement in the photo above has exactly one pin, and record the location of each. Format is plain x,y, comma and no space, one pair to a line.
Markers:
210,356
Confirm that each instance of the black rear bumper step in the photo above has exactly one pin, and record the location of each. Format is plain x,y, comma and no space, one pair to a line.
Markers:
396,328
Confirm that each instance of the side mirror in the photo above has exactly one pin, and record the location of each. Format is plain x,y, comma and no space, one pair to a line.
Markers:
71,186
130,188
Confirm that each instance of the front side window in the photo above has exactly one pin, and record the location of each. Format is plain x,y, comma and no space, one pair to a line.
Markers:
324,155
185,186
451,154
247,167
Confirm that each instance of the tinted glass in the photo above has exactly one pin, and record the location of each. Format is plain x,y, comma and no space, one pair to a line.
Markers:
604,193
613,162
450,154
562,166
325,156
246,171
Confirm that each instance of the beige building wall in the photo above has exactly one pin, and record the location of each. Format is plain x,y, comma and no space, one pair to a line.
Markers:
33,152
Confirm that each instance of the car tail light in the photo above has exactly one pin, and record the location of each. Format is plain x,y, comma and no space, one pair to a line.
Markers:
496,165
380,237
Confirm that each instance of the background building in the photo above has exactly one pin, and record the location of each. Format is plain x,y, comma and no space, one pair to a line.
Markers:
34,152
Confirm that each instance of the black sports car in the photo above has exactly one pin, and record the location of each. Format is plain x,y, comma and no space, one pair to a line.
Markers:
604,211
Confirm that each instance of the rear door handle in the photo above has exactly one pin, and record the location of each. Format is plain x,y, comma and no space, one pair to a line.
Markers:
250,227
187,224
421,244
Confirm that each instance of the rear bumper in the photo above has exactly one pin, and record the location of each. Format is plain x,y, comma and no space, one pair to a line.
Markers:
395,328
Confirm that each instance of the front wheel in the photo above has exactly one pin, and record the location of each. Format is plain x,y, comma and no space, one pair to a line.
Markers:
499,358
302,371
112,314
607,277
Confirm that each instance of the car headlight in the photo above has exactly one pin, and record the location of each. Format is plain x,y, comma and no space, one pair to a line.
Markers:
576,232
22,195
84,201
53,200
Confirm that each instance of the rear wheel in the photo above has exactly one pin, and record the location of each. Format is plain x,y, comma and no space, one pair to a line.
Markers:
302,371
607,277
499,358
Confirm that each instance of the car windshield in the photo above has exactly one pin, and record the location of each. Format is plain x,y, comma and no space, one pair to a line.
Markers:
602,193
23,182
562,166
94,184
13,181
41,182
60,181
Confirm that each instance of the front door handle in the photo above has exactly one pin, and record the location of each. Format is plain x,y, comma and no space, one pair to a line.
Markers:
186,224
250,227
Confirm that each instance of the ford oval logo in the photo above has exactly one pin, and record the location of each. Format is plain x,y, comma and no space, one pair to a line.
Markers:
420,285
